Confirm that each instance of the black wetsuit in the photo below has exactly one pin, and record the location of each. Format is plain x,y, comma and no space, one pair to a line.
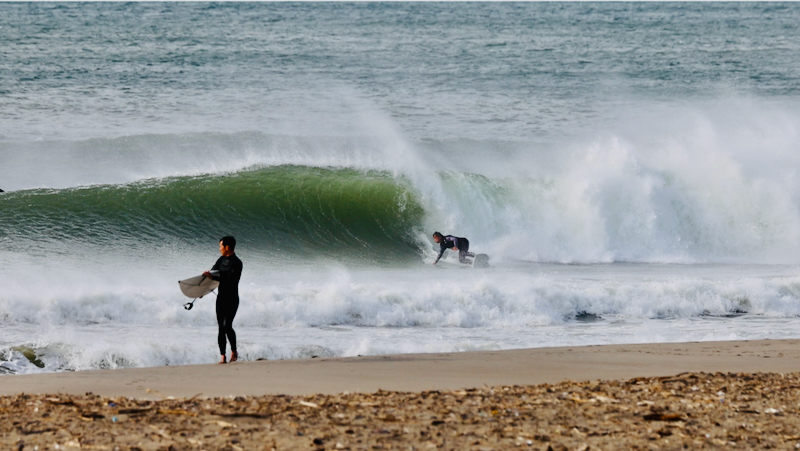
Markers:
230,271
450,242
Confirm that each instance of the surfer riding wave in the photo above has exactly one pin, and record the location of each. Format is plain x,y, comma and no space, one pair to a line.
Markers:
455,243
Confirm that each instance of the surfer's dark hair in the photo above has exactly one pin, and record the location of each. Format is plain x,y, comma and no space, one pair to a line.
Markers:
435,234
228,241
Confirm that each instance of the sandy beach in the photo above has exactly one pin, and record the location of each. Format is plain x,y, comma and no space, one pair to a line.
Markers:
735,395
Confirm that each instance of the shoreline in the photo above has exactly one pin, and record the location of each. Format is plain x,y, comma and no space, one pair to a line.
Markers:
418,372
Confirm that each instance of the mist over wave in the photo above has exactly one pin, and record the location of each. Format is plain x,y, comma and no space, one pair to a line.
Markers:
687,185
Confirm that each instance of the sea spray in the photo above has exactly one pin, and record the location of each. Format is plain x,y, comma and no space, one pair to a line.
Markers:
613,201
344,312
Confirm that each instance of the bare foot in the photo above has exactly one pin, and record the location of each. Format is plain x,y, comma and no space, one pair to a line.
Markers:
222,360
234,356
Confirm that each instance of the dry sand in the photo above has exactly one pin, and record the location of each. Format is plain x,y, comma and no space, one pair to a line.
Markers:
731,395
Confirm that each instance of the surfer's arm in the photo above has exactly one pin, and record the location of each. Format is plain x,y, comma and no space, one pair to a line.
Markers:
231,275
214,272
441,252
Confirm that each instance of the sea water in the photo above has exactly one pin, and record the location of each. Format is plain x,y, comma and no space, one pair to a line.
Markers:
630,168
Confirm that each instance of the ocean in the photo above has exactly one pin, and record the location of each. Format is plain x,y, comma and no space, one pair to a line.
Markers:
631,169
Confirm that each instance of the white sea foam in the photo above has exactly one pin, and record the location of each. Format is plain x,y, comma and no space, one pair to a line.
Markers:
690,185
83,323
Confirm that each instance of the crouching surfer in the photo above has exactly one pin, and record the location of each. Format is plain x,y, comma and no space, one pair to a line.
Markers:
455,243
230,271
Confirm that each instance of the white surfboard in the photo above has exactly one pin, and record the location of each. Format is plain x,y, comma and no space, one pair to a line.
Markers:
480,261
198,286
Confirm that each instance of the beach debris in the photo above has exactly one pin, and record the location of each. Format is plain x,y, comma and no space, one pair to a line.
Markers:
663,417
677,412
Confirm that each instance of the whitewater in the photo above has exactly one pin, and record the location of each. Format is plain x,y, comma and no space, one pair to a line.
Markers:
631,169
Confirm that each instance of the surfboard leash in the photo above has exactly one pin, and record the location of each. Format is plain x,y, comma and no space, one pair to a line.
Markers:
189,305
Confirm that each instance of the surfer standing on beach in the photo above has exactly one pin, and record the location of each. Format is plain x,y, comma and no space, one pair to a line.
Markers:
453,242
230,271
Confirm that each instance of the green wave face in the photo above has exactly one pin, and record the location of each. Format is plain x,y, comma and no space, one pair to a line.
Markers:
301,211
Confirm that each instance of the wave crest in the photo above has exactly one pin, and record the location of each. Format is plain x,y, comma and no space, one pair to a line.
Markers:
287,209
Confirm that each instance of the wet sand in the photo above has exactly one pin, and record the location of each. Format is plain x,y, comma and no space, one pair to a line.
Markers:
418,372
722,395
